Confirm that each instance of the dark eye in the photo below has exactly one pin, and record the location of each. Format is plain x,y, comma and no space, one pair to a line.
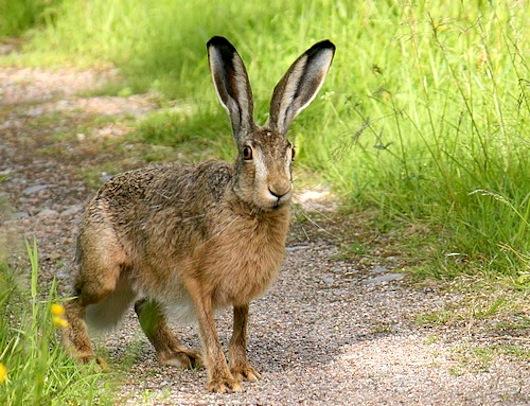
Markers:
293,153
247,153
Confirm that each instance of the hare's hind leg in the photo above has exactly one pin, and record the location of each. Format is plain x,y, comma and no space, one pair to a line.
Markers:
76,335
100,263
169,349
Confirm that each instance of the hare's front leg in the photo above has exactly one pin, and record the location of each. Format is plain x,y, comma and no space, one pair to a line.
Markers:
219,377
239,365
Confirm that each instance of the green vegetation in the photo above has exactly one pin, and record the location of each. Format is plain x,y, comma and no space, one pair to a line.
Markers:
480,358
16,16
424,116
34,369
501,311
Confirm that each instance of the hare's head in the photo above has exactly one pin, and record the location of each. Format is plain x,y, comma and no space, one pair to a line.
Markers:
263,166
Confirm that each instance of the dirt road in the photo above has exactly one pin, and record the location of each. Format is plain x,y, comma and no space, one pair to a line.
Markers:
328,332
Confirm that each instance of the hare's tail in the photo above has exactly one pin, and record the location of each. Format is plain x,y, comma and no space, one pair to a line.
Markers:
107,313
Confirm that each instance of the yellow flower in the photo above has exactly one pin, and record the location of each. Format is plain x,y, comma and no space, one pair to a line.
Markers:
3,373
57,309
60,322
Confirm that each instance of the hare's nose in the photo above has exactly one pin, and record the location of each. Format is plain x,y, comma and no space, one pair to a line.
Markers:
279,192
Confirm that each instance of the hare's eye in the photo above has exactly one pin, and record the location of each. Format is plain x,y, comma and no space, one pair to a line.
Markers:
247,153
293,153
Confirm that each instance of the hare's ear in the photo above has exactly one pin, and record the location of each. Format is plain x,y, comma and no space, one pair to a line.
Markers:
300,85
231,83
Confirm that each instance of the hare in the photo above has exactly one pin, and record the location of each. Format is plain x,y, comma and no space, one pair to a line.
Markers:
201,237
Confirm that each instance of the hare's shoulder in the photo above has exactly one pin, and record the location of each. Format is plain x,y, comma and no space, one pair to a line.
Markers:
203,184
214,176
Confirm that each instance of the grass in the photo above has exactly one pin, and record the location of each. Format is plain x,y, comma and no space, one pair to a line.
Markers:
39,372
423,117
475,359
494,308
520,324
16,17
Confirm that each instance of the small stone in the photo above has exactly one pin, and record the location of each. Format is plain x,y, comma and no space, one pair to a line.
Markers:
20,215
387,277
327,279
76,208
47,213
105,176
296,248
379,269
35,189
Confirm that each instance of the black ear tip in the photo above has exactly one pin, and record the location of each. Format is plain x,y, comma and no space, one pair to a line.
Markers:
218,41
328,44
325,44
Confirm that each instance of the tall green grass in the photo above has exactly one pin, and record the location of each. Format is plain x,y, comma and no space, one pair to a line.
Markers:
39,372
17,16
425,114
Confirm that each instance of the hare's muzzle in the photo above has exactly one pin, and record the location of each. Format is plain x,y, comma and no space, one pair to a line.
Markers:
280,195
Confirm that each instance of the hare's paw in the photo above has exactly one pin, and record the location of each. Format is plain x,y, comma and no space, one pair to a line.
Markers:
223,384
245,372
102,363
89,357
187,359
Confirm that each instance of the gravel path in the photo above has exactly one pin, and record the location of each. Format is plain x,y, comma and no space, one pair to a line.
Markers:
328,332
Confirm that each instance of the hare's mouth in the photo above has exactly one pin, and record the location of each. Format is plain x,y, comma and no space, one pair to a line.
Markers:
281,202
279,199
268,205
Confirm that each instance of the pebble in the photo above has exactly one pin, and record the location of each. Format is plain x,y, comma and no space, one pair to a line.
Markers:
76,208
388,277
296,248
379,269
34,189
47,213
328,279
105,177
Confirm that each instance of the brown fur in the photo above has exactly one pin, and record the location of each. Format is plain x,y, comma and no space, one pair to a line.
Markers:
196,237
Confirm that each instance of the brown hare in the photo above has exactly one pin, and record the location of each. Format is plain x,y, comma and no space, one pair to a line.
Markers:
197,238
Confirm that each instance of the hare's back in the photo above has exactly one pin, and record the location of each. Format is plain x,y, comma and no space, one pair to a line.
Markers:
130,201
166,185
